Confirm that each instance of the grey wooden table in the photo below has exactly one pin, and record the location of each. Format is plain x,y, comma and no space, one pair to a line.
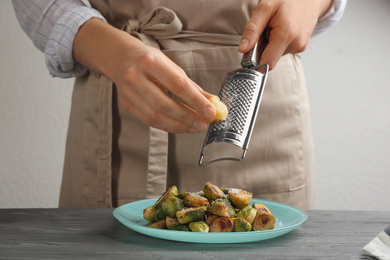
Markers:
96,234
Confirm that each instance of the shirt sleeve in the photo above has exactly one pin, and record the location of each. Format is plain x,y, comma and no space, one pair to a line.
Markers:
331,18
52,26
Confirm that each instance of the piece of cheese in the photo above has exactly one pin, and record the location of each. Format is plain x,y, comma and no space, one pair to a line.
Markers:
220,108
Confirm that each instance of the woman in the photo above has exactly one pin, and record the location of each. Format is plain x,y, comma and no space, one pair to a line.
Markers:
137,62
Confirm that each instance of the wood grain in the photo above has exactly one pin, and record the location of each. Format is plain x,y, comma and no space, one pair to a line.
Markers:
96,234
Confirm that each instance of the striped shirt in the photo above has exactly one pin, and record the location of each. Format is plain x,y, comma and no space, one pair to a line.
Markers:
52,26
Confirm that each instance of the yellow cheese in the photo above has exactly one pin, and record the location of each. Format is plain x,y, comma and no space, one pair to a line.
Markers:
220,108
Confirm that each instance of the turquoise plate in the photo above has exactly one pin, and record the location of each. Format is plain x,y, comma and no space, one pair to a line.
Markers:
287,218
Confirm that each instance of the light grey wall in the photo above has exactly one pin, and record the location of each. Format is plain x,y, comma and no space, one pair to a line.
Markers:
34,110
348,84
347,71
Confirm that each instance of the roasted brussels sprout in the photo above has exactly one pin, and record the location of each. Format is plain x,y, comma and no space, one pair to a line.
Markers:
166,205
188,215
221,224
211,218
264,219
173,224
248,214
159,224
241,225
148,214
171,204
224,190
153,214
212,210
199,226
212,191
195,200
222,208
239,198
170,191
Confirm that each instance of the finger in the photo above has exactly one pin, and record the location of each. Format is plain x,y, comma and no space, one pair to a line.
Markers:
255,26
185,89
201,90
146,114
158,100
277,45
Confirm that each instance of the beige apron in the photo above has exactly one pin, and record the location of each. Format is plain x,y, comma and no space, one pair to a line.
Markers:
112,158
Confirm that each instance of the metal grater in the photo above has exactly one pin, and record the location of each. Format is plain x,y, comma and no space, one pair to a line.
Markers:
241,92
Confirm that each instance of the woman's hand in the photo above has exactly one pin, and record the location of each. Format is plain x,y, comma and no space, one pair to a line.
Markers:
144,80
144,76
288,24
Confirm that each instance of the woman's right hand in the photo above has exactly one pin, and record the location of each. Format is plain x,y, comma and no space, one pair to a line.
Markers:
144,76
288,24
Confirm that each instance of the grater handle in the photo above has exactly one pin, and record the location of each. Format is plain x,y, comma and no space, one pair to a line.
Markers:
251,59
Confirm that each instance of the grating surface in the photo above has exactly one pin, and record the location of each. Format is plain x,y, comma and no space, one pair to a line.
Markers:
237,95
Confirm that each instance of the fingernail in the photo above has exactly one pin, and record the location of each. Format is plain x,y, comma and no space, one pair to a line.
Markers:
243,44
209,112
199,125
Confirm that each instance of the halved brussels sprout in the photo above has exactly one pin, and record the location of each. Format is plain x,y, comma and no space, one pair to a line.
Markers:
213,192
248,214
151,214
188,215
221,224
222,208
195,200
166,205
181,195
241,225
170,191
211,218
199,226
148,214
159,224
171,204
239,198
264,219
173,224
225,190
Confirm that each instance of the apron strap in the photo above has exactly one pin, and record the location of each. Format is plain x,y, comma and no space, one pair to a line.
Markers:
157,163
161,21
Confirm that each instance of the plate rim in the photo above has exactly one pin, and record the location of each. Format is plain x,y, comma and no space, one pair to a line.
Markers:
194,237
